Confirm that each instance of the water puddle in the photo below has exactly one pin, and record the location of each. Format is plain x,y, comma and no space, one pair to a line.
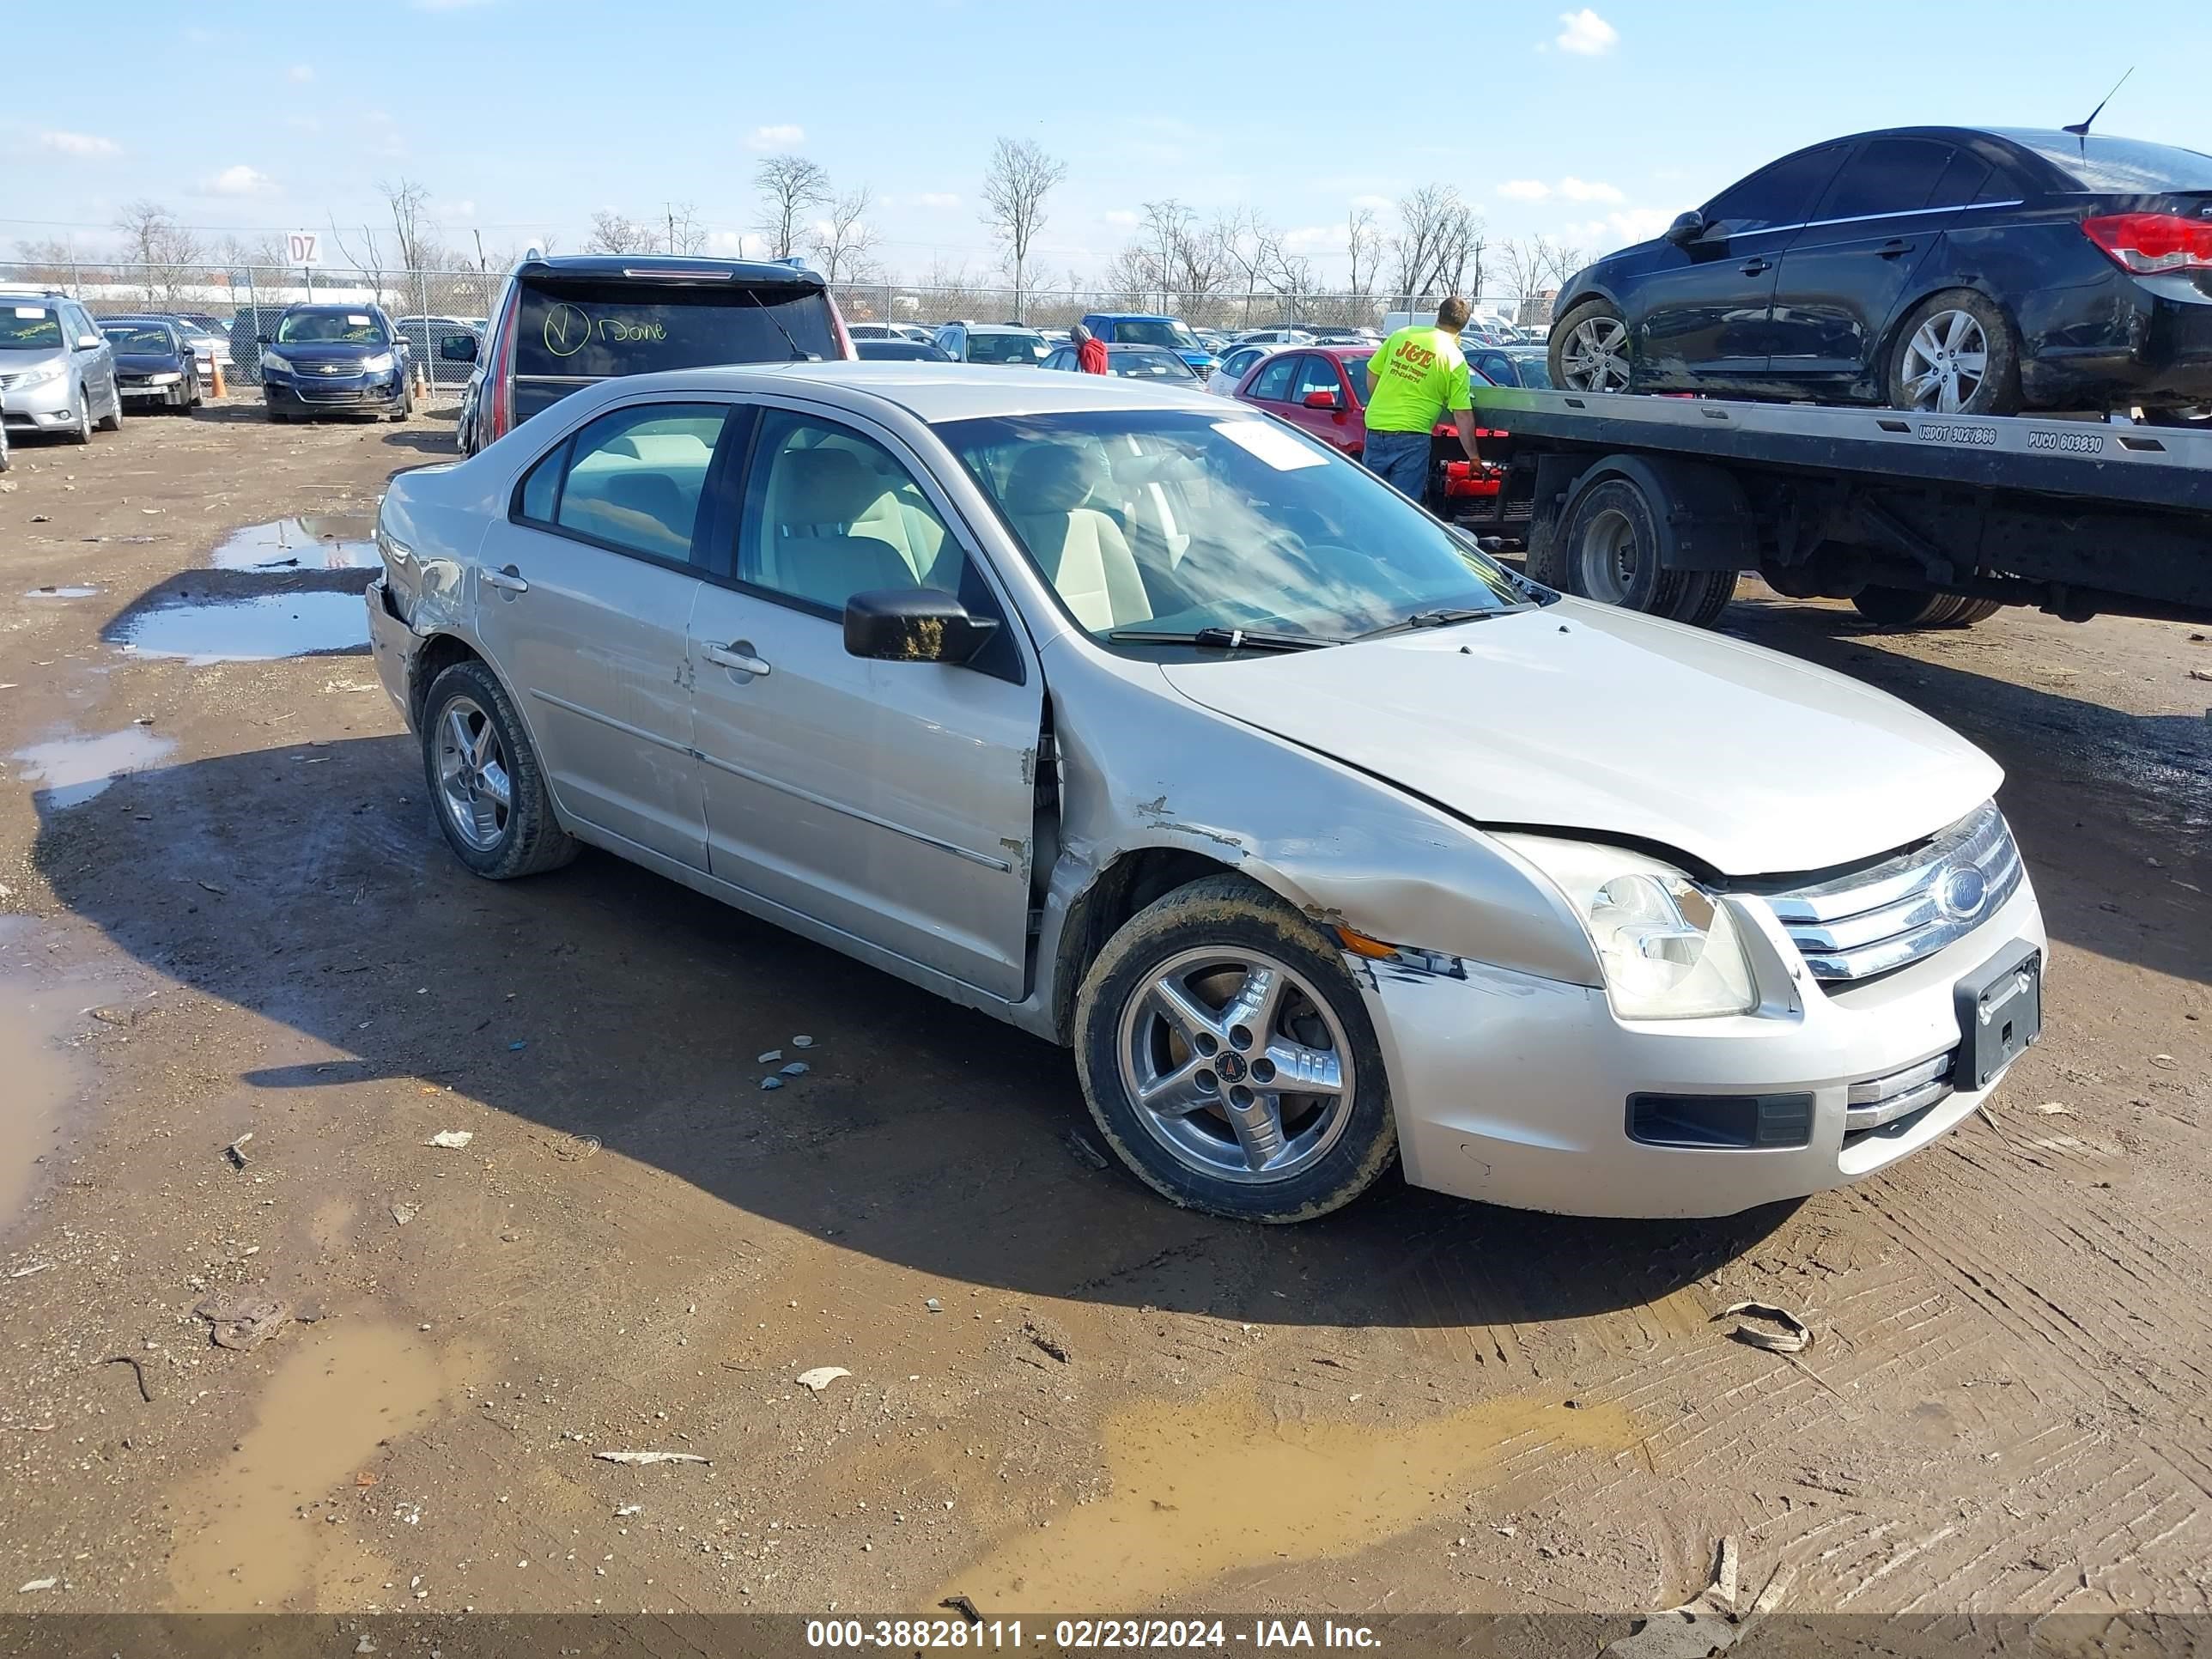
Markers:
70,771
41,1082
247,628
1201,1490
347,1386
61,593
327,540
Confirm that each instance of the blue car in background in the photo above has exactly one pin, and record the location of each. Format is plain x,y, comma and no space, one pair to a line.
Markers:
1144,328
333,360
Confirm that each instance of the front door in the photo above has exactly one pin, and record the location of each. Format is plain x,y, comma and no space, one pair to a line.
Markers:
586,587
1339,422
892,801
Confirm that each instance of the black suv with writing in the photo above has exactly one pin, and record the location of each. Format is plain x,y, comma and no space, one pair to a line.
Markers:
565,321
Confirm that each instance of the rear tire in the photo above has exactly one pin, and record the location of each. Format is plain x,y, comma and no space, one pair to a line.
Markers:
488,792
1706,594
1955,354
1607,549
1904,608
1971,612
1250,978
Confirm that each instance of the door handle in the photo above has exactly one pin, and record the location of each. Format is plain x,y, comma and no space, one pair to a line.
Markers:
508,580
1757,267
1893,246
731,656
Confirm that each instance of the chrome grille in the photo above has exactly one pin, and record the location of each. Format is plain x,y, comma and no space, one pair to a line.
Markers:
1871,921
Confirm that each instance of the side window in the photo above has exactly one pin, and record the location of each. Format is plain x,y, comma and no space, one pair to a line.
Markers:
1887,175
1783,194
1062,358
1962,181
1318,374
1274,381
541,487
830,513
635,477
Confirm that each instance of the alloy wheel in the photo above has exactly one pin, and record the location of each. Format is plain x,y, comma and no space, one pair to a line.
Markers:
1237,1065
1945,361
473,785
1596,358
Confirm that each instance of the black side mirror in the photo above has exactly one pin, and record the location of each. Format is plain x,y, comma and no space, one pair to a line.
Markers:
457,347
1686,228
264,339
914,624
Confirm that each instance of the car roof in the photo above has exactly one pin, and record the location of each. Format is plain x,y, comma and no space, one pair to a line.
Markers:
679,266
994,328
931,392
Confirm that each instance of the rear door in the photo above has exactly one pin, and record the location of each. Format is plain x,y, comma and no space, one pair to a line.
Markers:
892,802
573,330
1271,387
1701,319
1842,277
586,589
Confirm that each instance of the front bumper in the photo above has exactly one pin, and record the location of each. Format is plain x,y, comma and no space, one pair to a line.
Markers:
48,408
1515,1089
335,394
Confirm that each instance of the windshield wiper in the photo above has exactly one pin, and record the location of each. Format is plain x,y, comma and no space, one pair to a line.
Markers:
1443,619
1227,639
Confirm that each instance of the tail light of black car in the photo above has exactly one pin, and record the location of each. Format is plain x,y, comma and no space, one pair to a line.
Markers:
2148,243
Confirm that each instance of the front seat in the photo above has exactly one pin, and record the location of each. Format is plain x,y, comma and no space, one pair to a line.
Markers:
810,551
1081,552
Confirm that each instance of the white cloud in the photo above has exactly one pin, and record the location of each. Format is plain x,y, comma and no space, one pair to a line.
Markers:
727,244
1119,217
1619,229
1586,33
240,181
786,136
1579,190
1306,238
1524,190
83,144
936,199
301,72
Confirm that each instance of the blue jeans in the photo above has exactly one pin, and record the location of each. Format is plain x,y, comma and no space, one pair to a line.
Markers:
1401,459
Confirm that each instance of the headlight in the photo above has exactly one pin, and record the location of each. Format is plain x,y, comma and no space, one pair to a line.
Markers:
166,377
43,375
379,364
1669,948
272,364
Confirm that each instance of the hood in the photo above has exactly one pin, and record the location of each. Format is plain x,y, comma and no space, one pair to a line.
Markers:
1579,717
14,359
147,362
326,351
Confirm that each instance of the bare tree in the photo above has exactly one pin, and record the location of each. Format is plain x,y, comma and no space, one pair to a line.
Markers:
263,248
842,241
414,246
48,260
168,252
788,185
1015,185
1520,265
1293,280
1363,243
617,233
681,231
1249,249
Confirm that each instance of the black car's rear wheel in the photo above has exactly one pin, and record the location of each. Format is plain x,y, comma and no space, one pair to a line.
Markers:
1955,354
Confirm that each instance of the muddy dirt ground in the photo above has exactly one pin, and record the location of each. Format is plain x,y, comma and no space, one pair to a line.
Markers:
224,911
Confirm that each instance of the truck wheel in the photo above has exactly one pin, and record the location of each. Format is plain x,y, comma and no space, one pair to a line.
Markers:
1903,608
1228,1060
1971,612
1607,550
1590,348
1955,354
1706,594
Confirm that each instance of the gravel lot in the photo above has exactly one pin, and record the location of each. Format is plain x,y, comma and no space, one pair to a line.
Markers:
1062,1394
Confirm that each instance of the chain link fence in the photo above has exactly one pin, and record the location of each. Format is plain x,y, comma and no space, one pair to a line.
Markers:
241,304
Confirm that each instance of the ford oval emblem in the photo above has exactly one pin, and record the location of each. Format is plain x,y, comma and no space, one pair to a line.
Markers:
1962,892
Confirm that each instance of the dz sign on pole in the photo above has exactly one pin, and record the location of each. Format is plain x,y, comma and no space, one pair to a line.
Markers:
303,248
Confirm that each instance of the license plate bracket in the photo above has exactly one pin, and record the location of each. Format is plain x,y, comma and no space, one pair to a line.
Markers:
2000,1014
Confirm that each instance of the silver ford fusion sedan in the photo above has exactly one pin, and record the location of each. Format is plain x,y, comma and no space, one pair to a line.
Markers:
1149,725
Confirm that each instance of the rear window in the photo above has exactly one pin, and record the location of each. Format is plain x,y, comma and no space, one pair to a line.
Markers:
2123,166
1355,370
600,329
1142,331
1005,348
1148,366
28,327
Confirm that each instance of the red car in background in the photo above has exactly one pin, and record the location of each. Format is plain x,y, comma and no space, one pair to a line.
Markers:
1323,390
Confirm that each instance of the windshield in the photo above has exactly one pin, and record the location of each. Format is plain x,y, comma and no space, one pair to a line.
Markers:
138,337
28,327
1171,521
1529,368
1004,348
1156,331
1149,365
2121,166
338,327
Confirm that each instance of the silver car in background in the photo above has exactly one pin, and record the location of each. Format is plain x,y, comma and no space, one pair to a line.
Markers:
1141,721
56,369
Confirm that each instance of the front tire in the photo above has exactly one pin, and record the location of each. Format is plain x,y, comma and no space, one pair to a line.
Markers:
486,786
1588,348
1228,1060
1956,353
81,432
112,421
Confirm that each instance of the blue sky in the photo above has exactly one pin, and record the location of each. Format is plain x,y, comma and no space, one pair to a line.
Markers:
522,117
